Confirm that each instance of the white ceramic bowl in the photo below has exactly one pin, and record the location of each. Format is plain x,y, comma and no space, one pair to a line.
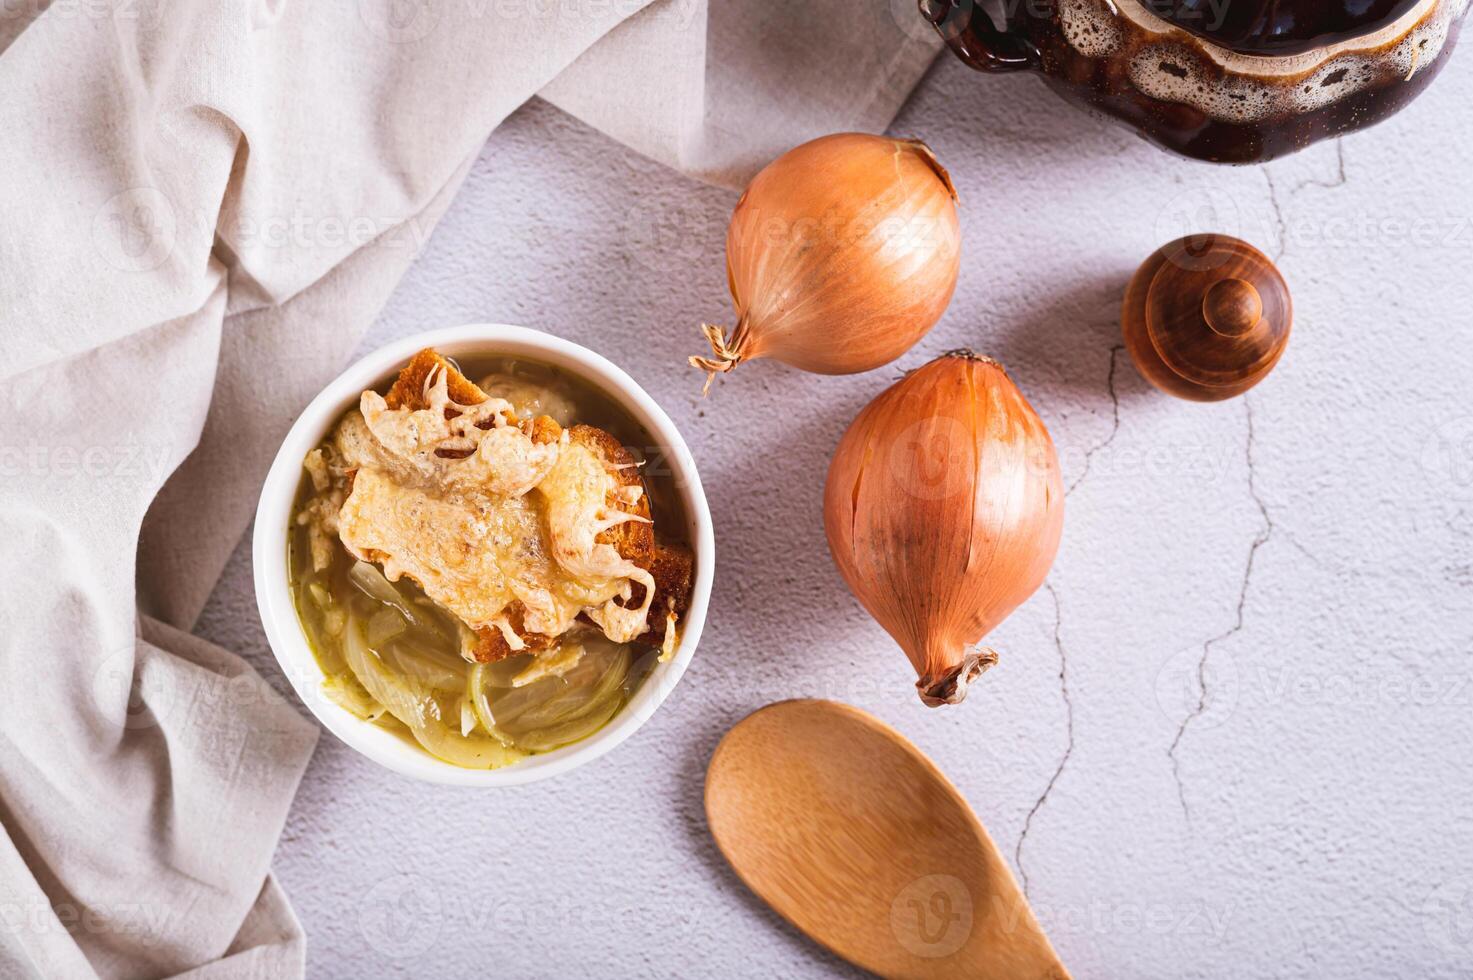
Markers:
274,513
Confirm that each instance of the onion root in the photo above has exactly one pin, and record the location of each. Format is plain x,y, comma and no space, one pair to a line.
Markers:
727,355
950,687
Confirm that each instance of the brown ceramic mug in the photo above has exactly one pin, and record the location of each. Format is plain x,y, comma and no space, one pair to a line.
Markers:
1234,81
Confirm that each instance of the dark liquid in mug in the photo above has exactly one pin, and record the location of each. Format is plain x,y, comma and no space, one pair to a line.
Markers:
1279,27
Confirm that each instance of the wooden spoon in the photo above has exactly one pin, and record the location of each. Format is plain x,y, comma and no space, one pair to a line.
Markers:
856,838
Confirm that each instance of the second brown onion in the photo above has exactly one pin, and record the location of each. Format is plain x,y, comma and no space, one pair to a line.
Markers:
840,255
943,508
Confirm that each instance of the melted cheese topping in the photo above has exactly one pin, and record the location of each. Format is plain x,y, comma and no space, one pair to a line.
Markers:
667,648
576,494
480,451
480,515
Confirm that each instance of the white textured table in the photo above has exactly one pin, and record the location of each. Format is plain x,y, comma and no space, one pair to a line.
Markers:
1307,550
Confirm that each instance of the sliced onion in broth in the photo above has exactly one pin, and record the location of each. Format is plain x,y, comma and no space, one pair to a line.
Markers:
533,711
371,582
423,664
571,730
433,719
383,626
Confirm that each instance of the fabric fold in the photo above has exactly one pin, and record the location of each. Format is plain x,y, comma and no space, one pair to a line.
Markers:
204,208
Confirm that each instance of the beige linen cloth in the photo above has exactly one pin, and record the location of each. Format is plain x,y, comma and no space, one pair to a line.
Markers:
203,204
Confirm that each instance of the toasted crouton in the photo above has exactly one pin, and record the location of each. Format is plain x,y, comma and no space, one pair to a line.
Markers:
491,645
672,568
413,381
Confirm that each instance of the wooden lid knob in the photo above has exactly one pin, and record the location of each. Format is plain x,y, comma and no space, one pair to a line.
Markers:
1207,317
1232,307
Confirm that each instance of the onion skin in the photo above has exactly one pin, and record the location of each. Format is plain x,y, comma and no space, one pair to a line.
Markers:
841,254
944,508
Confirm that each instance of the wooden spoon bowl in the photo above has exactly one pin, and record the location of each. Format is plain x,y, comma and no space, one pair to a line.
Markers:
855,837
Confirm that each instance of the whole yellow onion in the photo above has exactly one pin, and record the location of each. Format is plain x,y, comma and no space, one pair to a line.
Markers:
840,255
943,508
